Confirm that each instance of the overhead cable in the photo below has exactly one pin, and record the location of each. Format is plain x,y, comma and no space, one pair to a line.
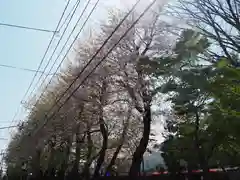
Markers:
69,47
74,11
7,127
93,57
28,28
48,47
40,64
23,69
69,14
102,59
96,53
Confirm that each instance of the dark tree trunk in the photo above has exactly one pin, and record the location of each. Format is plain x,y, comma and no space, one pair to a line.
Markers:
51,166
77,151
112,162
75,169
79,141
64,164
36,169
104,132
86,173
138,154
102,153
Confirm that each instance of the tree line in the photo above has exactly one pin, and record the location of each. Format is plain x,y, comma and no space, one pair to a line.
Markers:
188,73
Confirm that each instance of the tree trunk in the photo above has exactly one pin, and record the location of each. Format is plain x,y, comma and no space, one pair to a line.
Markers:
138,154
201,156
79,141
78,144
112,162
102,153
103,130
51,166
36,170
64,164
86,173
77,151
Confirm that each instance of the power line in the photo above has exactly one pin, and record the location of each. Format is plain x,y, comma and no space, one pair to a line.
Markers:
69,38
74,11
69,14
26,27
72,42
15,115
69,47
8,127
23,69
96,53
135,22
48,47
40,64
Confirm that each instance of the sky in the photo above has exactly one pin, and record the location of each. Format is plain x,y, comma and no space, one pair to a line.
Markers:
22,48
25,48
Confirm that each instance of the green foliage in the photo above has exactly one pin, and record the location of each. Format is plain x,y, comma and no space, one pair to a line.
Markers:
211,92
226,89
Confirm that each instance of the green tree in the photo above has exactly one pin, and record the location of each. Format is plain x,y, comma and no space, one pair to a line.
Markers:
200,97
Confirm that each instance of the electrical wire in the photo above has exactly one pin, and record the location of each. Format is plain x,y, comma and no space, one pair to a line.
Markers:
48,47
40,64
74,11
69,14
23,69
7,127
72,43
96,53
68,48
111,49
28,28
135,22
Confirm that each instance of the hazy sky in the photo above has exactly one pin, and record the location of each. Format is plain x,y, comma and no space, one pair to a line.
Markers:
25,48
